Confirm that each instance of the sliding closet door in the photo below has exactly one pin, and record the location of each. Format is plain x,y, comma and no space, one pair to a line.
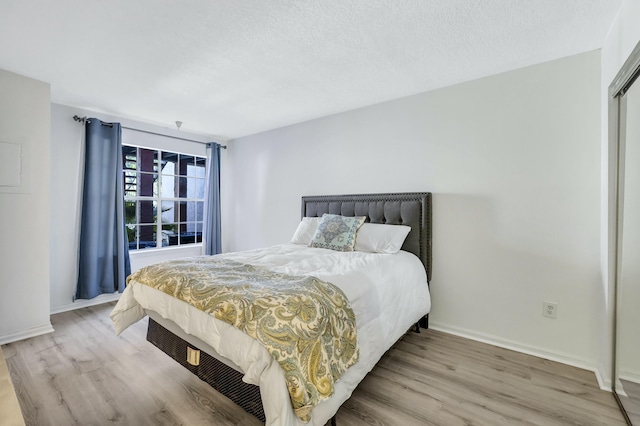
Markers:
628,286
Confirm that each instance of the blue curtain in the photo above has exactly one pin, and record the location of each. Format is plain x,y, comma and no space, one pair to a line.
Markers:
104,250
211,228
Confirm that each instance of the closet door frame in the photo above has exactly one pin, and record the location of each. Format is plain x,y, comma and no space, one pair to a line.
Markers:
617,107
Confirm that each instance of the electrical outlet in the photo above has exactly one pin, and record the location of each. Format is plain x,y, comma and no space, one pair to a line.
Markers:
549,309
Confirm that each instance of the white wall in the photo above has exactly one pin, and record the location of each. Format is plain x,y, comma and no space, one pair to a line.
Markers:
24,244
623,36
513,162
67,159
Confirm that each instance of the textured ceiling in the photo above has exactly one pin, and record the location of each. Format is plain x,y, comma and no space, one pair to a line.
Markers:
230,68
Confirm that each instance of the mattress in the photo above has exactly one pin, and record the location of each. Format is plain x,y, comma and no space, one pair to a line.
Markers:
388,293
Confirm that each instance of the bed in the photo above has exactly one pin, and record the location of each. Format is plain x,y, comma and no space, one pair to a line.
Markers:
243,369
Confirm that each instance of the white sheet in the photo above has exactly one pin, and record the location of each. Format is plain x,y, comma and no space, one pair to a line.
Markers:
388,293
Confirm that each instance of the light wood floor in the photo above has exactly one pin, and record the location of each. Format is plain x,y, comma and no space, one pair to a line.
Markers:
631,402
10,414
83,375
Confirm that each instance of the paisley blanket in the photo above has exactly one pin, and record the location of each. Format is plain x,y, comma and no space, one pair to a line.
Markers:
306,324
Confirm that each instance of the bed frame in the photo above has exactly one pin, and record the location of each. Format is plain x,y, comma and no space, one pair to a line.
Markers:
412,209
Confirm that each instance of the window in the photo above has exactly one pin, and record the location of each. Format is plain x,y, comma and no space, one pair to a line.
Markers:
164,197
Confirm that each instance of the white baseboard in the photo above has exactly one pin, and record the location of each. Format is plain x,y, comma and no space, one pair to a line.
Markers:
84,303
630,376
620,389
604,379
518,347
48,328
25,334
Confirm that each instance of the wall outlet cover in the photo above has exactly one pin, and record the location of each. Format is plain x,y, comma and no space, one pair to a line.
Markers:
549,309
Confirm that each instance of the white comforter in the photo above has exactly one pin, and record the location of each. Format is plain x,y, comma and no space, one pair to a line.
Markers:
388,293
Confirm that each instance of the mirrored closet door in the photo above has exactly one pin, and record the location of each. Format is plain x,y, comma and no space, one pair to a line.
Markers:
627,337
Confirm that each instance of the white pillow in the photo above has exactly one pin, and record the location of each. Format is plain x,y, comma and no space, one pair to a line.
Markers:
306,228
380,238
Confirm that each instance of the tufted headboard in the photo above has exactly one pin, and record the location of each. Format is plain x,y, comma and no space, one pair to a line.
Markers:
409,208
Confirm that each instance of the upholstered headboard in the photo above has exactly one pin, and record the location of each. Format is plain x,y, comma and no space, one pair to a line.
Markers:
409,208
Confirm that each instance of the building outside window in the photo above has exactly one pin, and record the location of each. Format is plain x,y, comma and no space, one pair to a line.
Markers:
164,197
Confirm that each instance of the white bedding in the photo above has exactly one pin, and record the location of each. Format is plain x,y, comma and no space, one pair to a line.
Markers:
388,293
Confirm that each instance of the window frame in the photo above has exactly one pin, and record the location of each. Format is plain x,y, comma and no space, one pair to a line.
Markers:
158,199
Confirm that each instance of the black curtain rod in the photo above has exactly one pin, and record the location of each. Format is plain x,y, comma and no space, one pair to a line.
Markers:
84,119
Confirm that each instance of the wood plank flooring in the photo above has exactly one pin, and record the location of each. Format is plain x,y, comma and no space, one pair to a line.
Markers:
83,375
631,402
10,414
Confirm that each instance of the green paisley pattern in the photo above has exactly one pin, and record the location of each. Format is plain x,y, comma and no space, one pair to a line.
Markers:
306,324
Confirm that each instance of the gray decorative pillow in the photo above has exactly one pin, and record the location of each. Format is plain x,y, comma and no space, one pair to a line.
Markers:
337,232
